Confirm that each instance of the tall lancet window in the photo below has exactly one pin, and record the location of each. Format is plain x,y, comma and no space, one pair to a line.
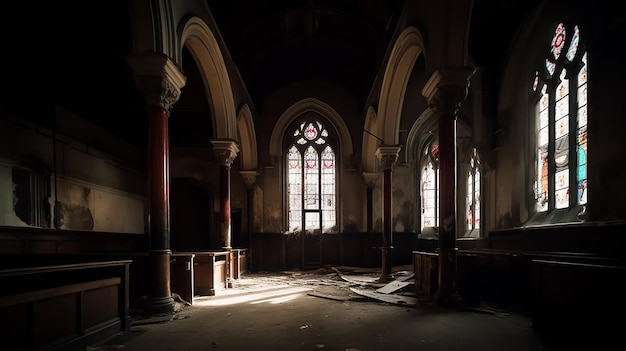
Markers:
311,178
430,186
472,198
561,123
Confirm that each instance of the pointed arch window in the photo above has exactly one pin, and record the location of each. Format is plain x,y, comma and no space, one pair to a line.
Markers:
472,198
560,87
430,186
311,177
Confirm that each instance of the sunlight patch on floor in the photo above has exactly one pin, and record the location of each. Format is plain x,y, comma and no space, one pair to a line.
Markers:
275,294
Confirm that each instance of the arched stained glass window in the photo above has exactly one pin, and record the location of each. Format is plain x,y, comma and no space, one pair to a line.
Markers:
430,186
561,123
311,178
472,198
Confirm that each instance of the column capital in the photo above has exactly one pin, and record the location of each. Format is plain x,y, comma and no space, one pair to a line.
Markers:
225,151
370,178
445,90
249,177
158,78
387,155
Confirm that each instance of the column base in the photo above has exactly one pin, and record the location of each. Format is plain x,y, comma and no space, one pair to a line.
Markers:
387,268
447,295
159,305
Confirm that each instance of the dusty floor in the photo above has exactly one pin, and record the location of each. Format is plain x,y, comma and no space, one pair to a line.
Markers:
320,310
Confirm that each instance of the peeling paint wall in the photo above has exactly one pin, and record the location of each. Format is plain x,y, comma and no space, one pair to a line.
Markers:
8,216
272,200
85,206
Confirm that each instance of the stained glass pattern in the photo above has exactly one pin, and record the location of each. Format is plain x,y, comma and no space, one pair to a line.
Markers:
581,134
561,124
558,41
473,193
561,141
541,184
328,187
430,205
294,186
311,178
573,46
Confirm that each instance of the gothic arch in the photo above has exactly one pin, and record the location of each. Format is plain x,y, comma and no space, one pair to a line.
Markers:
203,46
317,106
419,135
403,56
370,141
247,139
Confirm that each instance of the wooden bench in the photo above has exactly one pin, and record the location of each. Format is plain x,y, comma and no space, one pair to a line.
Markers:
205,273
209,271
182,275
52,304
579,299
239,262
426,274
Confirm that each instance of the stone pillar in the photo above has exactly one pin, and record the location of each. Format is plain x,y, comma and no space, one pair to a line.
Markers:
445,91
160,81
387,156
249,178
370,182
225,152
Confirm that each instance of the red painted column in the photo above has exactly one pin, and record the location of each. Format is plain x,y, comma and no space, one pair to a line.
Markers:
445,91
249,178
160,81
225,152
387,155
370,181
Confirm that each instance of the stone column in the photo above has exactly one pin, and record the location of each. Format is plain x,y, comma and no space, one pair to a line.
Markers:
160,81
370,182
225,153
445,90
387,156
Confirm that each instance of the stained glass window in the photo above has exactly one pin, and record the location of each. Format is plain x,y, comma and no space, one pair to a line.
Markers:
561,123
472,197
311,178
430,187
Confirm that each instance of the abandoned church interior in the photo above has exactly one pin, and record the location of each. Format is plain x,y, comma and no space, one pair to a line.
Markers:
192,142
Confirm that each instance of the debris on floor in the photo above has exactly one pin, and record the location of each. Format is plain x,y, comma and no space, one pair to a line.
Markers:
389,298
367,283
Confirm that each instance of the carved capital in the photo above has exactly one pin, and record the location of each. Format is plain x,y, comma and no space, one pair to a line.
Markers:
387,156
446,90
249,177
158,78
225,151
370,179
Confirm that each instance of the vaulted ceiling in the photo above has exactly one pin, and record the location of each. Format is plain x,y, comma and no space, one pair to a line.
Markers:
275,43
272,44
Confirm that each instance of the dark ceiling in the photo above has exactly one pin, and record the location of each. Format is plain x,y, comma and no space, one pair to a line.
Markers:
272,43
275,43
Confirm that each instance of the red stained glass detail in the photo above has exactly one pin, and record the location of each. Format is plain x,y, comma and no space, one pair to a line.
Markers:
310,132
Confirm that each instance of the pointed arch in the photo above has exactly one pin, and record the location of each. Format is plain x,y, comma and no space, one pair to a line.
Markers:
247,139
370,141
319,107
403,56
203,46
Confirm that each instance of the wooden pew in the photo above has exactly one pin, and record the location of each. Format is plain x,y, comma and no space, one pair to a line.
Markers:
579,305
425,269
182,275
56,304
239,262
210,271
